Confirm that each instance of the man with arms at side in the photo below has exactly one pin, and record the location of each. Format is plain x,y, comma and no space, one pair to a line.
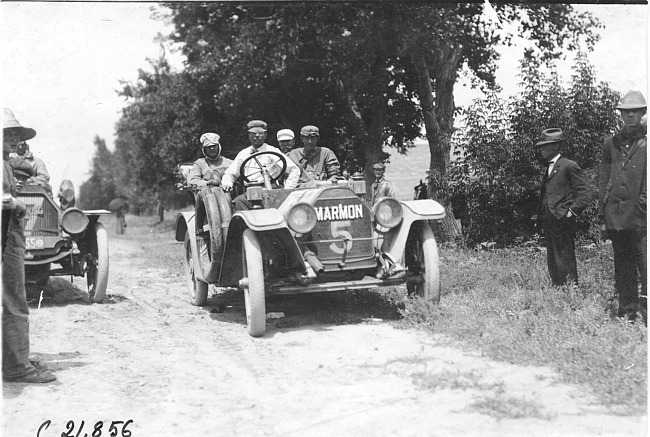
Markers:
16,365
257,137
315,163
622,205
209,171
565,194
381,187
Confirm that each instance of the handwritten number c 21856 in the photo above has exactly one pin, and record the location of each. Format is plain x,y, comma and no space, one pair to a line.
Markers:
113,431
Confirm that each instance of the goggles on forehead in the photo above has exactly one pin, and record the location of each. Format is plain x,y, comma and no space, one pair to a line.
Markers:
310,134
212,146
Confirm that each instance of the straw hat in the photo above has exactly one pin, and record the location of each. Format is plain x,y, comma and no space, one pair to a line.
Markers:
11,124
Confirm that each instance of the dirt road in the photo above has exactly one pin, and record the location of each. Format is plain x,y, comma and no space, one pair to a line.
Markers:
149,358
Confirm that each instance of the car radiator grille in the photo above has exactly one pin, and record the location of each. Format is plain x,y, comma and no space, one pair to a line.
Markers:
42,216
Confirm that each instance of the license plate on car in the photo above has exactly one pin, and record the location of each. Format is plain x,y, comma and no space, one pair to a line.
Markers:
34,243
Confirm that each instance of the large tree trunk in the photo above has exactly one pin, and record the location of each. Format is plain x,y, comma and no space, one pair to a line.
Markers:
370,136
438,135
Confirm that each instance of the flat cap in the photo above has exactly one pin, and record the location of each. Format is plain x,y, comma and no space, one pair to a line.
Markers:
309,130
285,134
256,126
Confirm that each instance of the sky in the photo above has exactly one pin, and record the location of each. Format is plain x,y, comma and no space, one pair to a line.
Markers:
63,62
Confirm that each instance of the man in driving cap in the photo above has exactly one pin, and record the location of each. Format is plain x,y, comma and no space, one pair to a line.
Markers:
257,137
315,163
622,205
286,140
381,187
565,194
209,170
16,365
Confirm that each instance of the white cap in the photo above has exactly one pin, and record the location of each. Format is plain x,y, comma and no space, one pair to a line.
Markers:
285,134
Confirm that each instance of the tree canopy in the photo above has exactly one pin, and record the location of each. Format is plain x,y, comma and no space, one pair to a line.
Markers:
498,172
369,74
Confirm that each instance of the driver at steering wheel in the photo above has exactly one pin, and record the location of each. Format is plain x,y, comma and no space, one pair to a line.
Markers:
252,170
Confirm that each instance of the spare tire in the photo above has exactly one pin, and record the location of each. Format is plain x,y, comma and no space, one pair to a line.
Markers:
212,212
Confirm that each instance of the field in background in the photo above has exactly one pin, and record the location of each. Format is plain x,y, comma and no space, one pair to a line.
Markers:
405,171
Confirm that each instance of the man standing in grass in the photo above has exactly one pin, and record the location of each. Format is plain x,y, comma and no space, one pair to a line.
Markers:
622,205
565,194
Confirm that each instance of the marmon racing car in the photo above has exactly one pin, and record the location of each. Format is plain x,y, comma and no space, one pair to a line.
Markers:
316,239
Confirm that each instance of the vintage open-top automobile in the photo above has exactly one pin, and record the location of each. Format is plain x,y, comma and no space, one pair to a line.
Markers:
63,235
323,237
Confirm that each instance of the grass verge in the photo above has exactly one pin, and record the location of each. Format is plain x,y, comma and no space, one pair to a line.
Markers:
502,303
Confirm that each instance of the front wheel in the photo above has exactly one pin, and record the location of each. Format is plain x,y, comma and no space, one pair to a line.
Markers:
423,263
97,270
198,289
254,297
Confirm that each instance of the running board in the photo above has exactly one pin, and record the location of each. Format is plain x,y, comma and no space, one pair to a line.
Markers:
334,286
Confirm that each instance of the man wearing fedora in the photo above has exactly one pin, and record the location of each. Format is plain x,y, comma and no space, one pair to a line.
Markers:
257,137
16,365
622,205
565,194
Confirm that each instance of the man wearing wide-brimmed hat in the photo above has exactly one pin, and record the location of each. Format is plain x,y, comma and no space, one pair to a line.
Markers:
16,365
622,206
565,194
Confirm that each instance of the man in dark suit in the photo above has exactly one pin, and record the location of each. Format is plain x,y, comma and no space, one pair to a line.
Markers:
622,206
565,194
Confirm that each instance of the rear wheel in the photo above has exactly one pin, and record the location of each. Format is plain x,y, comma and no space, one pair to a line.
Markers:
254,297
198,289
97,269
422,261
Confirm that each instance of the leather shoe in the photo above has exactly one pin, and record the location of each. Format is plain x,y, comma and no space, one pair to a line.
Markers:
38,376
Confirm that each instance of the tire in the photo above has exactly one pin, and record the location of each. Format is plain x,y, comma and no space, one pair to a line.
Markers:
210,241
198,289
422,260
254,297
97,273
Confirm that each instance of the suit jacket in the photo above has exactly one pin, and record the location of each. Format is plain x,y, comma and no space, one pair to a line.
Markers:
565,188
622,203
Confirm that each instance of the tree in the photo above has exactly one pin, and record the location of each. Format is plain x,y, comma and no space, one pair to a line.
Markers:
99,189
498,173
369,74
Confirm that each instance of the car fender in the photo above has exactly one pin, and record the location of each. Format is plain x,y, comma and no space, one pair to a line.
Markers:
271,228
185,223
394,242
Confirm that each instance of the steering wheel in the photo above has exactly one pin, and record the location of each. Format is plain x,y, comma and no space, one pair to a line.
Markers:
264,167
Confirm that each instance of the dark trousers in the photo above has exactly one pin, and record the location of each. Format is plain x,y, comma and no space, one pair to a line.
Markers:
242,203
630,255
560,249
15,313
